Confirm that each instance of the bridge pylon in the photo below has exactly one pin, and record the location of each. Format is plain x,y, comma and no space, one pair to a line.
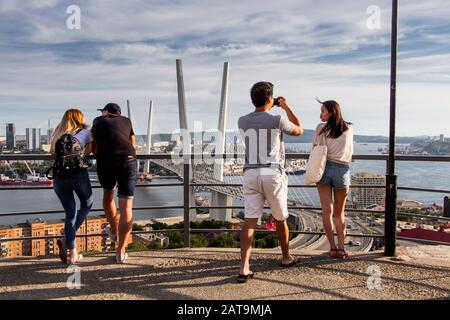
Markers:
217,198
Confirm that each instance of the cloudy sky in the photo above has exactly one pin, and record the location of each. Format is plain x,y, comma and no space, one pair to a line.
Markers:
307,48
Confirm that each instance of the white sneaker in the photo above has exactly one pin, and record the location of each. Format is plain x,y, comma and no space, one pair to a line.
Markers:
121,258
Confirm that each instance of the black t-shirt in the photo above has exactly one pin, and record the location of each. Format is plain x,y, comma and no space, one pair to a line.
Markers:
112,135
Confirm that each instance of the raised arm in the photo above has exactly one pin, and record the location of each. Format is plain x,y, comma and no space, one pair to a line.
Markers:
298,129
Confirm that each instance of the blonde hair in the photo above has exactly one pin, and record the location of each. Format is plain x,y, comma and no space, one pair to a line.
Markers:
71,122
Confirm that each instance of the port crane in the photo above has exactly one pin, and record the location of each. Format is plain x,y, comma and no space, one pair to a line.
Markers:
32,172
14,173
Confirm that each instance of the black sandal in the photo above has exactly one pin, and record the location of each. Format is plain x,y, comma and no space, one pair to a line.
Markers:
290,264
62,251
342,256
244,279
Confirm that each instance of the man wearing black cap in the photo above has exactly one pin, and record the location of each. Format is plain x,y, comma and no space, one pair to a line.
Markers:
115,149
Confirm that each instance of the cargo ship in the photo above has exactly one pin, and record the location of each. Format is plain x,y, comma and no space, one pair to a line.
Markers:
31,180
296,167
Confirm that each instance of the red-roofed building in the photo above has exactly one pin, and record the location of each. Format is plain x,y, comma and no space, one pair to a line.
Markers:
423,234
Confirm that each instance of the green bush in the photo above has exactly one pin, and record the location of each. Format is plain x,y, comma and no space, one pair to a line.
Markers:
260,235
271,241
198,241
158,226
225,241
137,227
155,246
136,247
176,240
260,243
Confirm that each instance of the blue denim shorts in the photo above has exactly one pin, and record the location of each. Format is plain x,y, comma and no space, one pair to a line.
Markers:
336,175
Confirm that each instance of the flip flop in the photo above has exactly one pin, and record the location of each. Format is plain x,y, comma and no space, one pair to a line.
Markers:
290,264
244,279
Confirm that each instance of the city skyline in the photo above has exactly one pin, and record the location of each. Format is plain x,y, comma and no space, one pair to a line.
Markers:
23,135
323,49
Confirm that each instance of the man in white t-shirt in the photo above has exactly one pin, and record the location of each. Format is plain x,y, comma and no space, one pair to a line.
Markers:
264,171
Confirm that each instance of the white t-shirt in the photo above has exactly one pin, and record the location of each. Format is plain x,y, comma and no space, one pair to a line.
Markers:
262,134
340,150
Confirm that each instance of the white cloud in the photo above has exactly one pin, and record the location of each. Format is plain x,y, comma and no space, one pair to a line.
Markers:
127,50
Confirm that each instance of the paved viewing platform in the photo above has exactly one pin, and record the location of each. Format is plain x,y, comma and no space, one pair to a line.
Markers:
418,272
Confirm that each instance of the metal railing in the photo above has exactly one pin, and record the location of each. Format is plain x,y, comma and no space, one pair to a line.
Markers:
187,184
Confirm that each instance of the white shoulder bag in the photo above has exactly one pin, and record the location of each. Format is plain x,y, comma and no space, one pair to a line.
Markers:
317,162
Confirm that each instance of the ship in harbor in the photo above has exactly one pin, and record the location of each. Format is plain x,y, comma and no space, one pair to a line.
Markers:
202,205
31,180
296,167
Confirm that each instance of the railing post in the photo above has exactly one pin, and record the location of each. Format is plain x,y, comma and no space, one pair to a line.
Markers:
390,218
186,201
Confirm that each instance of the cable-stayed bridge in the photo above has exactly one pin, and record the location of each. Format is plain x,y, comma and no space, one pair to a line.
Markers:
219,171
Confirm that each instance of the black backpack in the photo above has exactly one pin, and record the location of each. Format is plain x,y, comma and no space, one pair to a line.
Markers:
70,156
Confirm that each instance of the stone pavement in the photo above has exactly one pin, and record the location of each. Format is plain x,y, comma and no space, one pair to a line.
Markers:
419,272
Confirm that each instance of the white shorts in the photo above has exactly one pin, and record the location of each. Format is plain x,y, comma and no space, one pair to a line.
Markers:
265,184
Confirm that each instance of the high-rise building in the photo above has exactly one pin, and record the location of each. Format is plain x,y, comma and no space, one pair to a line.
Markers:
442,138
49,132
447,207
364,197
10,135
33,138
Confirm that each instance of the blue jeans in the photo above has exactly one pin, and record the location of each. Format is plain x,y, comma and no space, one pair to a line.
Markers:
64,188
336,175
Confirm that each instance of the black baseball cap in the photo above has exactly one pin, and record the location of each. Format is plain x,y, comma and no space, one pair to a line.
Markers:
112,108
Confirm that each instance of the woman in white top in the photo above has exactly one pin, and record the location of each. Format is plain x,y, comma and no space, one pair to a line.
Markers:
337,135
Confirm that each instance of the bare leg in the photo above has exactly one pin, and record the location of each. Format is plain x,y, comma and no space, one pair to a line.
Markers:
283,238
325,194
110,210
73,254
247,233
340,198
125,224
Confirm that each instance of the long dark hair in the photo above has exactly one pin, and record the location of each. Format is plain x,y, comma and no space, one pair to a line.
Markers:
336,125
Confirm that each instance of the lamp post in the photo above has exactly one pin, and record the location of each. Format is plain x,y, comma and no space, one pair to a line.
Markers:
390,220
